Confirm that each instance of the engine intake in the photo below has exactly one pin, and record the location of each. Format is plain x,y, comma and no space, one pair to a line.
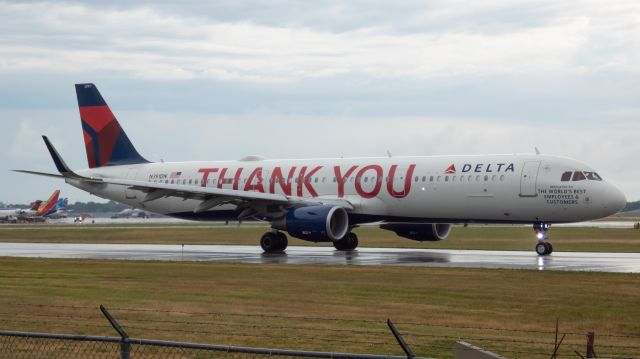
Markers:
430,232
315,223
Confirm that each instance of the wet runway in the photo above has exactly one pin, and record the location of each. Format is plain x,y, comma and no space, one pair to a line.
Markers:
569,261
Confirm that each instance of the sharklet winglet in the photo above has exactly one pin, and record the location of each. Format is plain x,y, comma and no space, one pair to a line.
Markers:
62,167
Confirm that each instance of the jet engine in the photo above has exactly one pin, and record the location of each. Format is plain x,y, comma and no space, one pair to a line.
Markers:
430,232
315,223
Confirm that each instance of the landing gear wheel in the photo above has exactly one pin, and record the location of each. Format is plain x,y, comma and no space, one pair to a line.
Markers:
541,249
544,248
284,242
273,242
347,243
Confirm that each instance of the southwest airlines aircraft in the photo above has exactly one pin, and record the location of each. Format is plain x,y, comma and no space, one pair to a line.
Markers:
39,209
322,200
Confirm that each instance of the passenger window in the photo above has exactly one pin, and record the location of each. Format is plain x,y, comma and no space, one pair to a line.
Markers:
493,178
446,178
439,178
486,178
430,178
501,177
578,176
424,178
566,176
453,179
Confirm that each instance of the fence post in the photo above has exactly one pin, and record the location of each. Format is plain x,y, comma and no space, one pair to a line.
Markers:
400,339
591,337
125,345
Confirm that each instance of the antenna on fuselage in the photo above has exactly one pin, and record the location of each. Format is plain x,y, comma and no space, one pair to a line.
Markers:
537,150
389,154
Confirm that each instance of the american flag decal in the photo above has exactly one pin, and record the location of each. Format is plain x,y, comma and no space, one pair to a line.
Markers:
175,175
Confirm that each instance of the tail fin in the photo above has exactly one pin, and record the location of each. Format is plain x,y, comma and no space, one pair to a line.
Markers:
49,204
62,204
105,141
35,205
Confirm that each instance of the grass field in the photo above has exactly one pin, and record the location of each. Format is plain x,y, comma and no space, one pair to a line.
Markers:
489,237
339,308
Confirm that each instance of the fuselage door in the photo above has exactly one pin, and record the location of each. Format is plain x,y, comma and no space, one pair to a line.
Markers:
529,178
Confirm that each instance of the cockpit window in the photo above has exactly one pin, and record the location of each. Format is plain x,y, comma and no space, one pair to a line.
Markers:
578,176
593,176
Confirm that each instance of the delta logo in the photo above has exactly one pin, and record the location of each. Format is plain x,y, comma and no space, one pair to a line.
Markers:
482,167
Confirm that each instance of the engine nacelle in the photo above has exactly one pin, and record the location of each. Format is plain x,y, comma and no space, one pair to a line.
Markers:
315,223
430,232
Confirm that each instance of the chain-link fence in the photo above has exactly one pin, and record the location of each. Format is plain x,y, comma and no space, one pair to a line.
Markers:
306,334
32,345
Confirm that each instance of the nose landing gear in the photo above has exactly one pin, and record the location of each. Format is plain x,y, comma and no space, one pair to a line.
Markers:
543,247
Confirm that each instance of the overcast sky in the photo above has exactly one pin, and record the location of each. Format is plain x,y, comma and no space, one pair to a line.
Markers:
323,78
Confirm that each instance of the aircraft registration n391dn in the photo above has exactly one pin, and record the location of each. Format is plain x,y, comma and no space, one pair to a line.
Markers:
322,200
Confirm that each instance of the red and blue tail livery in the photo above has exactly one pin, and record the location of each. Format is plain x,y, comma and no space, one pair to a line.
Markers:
105,141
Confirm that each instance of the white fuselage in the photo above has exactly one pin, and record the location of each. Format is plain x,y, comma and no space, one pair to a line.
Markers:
10,213
445,189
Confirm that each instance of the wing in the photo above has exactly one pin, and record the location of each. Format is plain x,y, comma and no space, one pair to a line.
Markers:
250,202
213,197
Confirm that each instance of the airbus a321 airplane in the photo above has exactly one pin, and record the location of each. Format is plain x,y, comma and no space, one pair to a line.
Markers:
322,200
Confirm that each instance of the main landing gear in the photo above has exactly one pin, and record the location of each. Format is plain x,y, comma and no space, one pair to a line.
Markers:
348,243
543,247
274,241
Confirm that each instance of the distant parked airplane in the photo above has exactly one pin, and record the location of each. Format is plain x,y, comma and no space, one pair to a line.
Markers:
38,209
322,200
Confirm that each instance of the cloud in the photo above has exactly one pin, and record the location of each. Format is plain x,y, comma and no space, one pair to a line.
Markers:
150,44
26,140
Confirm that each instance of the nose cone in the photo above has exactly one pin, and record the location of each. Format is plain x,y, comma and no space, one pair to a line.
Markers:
615,201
